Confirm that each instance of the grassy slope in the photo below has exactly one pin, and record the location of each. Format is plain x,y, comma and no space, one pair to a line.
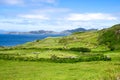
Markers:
101,70
111,37
85,39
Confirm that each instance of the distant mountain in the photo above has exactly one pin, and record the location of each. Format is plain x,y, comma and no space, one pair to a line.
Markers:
62,32
42,32
92,29
78,30
33,32
75,30
15,32
53,32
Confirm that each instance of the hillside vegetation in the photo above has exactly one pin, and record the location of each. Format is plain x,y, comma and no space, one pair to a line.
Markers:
80,39
79,46
91,55
95,40
111,37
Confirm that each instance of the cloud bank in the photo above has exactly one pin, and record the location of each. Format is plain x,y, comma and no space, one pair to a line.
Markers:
90,16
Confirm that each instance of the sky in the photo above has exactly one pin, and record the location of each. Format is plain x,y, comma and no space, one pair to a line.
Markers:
58,15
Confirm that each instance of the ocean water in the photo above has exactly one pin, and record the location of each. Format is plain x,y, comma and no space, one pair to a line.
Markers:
15,39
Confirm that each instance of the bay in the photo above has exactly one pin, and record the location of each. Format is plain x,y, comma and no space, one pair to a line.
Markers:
17,39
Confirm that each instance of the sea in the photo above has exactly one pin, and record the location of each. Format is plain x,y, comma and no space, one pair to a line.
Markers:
17,39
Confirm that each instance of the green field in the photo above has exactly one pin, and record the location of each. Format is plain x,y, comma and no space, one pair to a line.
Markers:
20,70
23,62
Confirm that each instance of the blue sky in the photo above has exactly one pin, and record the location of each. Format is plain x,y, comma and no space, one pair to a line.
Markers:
58,15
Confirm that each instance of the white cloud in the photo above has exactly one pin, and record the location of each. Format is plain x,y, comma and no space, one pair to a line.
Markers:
45,13
26,2
12,2
26,22
34,16
90,16
51,10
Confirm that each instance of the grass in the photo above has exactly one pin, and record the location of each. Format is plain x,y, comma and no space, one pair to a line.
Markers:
38,70
27,70
85,39
41,53
14,70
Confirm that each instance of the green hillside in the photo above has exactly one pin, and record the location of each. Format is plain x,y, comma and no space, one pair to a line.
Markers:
79,39
92,55
74,45
111,37
94,40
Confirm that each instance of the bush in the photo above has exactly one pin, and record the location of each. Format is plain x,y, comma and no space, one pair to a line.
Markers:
56,59
80,49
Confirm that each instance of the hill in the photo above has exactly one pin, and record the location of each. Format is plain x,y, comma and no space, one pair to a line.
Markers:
110,37
80,39
101,40
78,30
79,56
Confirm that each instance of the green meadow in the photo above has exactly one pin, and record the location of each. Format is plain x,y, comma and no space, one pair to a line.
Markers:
21,70
79,56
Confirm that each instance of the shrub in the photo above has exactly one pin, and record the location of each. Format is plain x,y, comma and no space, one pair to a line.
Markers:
80,49
54,58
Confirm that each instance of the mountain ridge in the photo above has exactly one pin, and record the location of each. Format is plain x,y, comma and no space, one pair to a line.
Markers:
52,32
